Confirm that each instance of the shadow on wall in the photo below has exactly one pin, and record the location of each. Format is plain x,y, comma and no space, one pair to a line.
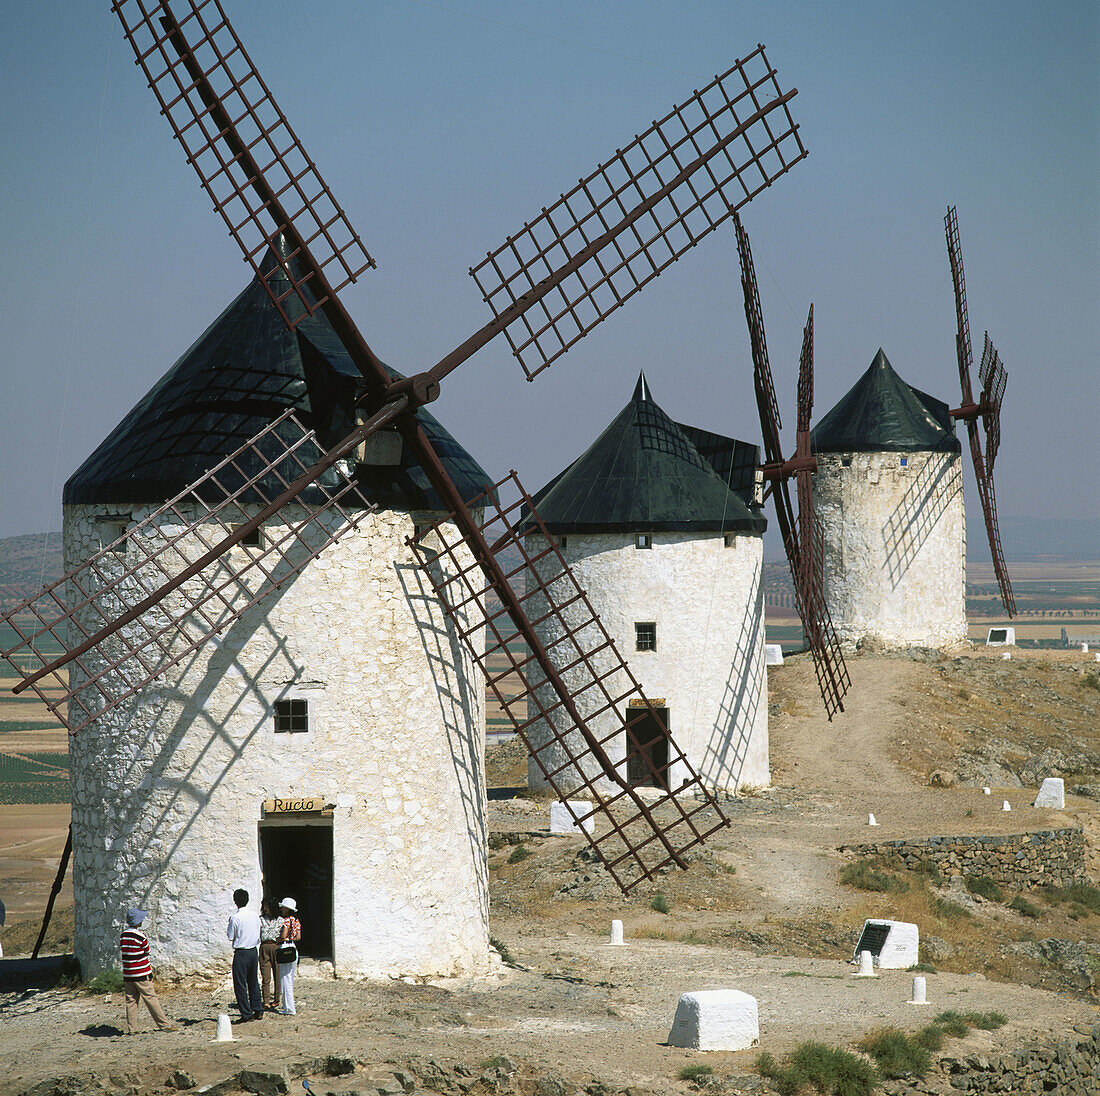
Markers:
727,751
143,750
453,671
912,522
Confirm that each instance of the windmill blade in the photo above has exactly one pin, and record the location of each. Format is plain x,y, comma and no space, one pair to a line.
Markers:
829,665
989,511
801,538
248,159
806,385
963,349
994,380
177,601
617,229
768,405
577,678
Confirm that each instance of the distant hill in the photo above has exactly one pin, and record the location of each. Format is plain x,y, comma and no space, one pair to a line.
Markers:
27,563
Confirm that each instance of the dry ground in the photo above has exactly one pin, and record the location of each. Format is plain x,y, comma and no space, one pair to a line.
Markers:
760,908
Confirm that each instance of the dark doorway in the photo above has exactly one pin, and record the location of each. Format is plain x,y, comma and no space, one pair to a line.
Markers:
296,862
650,727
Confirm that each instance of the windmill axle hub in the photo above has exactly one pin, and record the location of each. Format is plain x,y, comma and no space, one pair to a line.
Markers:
785,469
420,389
968,411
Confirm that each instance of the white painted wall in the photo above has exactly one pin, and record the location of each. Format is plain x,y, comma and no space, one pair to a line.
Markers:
895,547
707,602
167,790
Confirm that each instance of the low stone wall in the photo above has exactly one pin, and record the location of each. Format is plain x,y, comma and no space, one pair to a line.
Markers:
1020,861
1070,1067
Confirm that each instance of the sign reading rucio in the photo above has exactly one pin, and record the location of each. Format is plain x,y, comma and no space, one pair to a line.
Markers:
653,702
312,805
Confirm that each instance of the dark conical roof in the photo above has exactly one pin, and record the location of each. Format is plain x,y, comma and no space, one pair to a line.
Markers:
243,372
643,474
881,413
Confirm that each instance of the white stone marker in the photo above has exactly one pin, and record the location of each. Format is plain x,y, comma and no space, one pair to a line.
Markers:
1052,793
899,950
920,991
715,1019
616,933
1084,648
987,791
225,1029
561,821
773,654
1006,656
866,965
1006,806
871,820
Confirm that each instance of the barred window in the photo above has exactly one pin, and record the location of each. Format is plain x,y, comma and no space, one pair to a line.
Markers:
291,716
645,636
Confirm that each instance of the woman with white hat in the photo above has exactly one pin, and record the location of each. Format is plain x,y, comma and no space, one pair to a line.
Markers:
287,953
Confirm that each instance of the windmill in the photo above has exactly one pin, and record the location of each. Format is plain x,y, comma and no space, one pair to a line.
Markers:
801,537
172,582
993,378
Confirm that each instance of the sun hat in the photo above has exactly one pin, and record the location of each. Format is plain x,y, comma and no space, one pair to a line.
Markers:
134,917
289,904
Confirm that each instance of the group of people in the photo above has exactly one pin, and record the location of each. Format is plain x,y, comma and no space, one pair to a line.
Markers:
264,944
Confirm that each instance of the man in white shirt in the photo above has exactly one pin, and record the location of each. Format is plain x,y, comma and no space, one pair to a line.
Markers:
244,935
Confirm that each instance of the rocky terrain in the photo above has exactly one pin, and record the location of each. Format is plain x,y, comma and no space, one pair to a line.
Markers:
770,905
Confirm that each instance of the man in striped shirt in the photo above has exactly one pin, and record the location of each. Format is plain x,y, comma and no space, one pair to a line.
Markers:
137,975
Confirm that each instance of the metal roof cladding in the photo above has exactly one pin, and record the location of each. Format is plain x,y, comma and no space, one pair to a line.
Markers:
245,371
643,474
881,413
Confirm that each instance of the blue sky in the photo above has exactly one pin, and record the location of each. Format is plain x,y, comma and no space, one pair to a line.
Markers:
442,127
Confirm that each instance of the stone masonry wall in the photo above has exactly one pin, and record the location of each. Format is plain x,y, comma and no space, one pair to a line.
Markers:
1066,1067
707,603
168,789
1021,861
895,547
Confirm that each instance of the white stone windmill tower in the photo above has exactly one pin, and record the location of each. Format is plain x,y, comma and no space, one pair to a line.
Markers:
326,741
889,491
664,542
259,648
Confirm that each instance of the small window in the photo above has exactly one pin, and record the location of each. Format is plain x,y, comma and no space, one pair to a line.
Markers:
111,527
645,636
731,540
905,462
420,528
291,716
643,540
562,542
255,539
846,462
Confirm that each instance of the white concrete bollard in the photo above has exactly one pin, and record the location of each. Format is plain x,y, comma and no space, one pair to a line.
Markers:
1098,656
871,820
987,791
616,932
225,1029
920,991
561,821
1006,656
1084,648
715,1019
1006,806
866,965
1052,794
